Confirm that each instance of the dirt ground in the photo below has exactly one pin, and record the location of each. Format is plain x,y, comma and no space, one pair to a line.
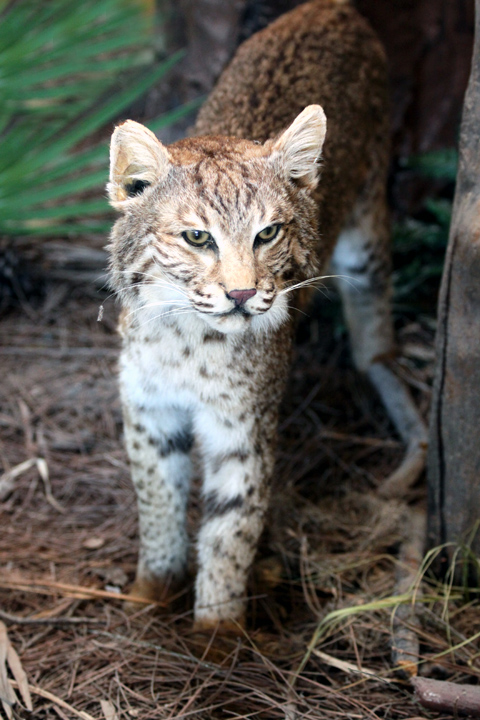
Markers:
68,541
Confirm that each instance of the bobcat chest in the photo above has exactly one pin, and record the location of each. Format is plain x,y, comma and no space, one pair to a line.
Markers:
188,363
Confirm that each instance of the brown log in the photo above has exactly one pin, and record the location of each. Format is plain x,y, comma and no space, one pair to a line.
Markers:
454,455
447,697
64,260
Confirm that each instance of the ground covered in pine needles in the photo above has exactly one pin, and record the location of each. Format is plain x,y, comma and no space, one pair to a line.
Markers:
320,617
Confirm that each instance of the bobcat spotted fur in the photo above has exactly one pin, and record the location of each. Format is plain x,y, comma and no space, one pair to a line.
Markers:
216,234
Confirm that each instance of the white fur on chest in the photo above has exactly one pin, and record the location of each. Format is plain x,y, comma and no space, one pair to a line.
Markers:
179,363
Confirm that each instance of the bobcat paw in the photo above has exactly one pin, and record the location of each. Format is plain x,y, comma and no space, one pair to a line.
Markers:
150,591
215,641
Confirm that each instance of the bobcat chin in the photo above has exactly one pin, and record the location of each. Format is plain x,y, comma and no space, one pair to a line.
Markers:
284,179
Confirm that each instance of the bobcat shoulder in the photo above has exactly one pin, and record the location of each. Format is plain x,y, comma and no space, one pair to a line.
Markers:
216,233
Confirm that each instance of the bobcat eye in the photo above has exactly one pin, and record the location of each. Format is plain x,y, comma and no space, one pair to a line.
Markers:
198,238
267,234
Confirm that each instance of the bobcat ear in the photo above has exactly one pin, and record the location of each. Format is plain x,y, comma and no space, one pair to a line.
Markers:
300,146
137,159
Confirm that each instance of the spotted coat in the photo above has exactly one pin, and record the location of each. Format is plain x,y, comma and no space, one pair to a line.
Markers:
209,302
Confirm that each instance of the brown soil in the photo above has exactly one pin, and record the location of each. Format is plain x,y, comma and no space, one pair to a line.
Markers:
68,542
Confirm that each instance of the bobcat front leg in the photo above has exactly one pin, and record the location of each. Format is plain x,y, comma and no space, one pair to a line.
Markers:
238,468
158,441
362,257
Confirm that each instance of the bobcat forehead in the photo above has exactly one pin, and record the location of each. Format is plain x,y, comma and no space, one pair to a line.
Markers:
232,186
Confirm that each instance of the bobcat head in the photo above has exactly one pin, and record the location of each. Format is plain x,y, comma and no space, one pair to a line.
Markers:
216,226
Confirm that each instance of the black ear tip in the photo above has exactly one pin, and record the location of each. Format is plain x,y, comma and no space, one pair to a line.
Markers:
136,187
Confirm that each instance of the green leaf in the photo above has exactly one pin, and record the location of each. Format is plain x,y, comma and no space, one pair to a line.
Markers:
66,71
438,164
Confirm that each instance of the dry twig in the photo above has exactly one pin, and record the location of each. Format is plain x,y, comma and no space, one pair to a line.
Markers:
405,642
56,700
11,619
349,667
80,592
447,697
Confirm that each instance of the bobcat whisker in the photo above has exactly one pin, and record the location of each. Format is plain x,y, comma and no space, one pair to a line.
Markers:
310,281
122,290
113,294
167,284
292,307
159,282
171,313
158,303
170,283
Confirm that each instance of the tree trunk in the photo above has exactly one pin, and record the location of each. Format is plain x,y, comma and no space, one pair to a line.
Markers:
454,455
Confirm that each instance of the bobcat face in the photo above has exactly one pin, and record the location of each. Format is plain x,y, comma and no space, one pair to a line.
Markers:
213,226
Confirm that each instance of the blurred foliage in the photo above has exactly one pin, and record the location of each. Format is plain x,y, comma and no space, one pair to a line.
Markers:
438,164
419,243
67,69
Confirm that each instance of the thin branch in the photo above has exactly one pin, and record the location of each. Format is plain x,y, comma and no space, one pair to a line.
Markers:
447,697
55,699
405,642
10,619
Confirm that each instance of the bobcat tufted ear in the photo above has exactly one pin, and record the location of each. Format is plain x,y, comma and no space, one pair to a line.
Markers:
137,159
300,146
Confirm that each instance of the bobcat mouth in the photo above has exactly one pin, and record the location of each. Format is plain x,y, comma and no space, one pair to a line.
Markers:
239,310
234,311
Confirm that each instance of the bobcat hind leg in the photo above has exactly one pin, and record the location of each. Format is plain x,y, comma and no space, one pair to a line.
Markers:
362,256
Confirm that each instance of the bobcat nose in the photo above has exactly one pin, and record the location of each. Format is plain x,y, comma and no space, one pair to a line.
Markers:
241,296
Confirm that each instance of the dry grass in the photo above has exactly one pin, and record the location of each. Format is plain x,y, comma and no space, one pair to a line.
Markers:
68,545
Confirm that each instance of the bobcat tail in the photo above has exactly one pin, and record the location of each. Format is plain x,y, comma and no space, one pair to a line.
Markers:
410,426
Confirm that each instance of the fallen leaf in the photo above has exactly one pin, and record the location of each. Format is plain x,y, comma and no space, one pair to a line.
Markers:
93,543
7,480
20,676
108,710
10,659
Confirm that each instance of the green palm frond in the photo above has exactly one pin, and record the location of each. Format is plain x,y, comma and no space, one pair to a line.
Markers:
419,243
436,164
66,70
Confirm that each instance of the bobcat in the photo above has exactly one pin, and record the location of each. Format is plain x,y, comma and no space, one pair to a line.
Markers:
217,233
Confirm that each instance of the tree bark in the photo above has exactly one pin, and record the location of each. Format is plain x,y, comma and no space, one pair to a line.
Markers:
454,455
